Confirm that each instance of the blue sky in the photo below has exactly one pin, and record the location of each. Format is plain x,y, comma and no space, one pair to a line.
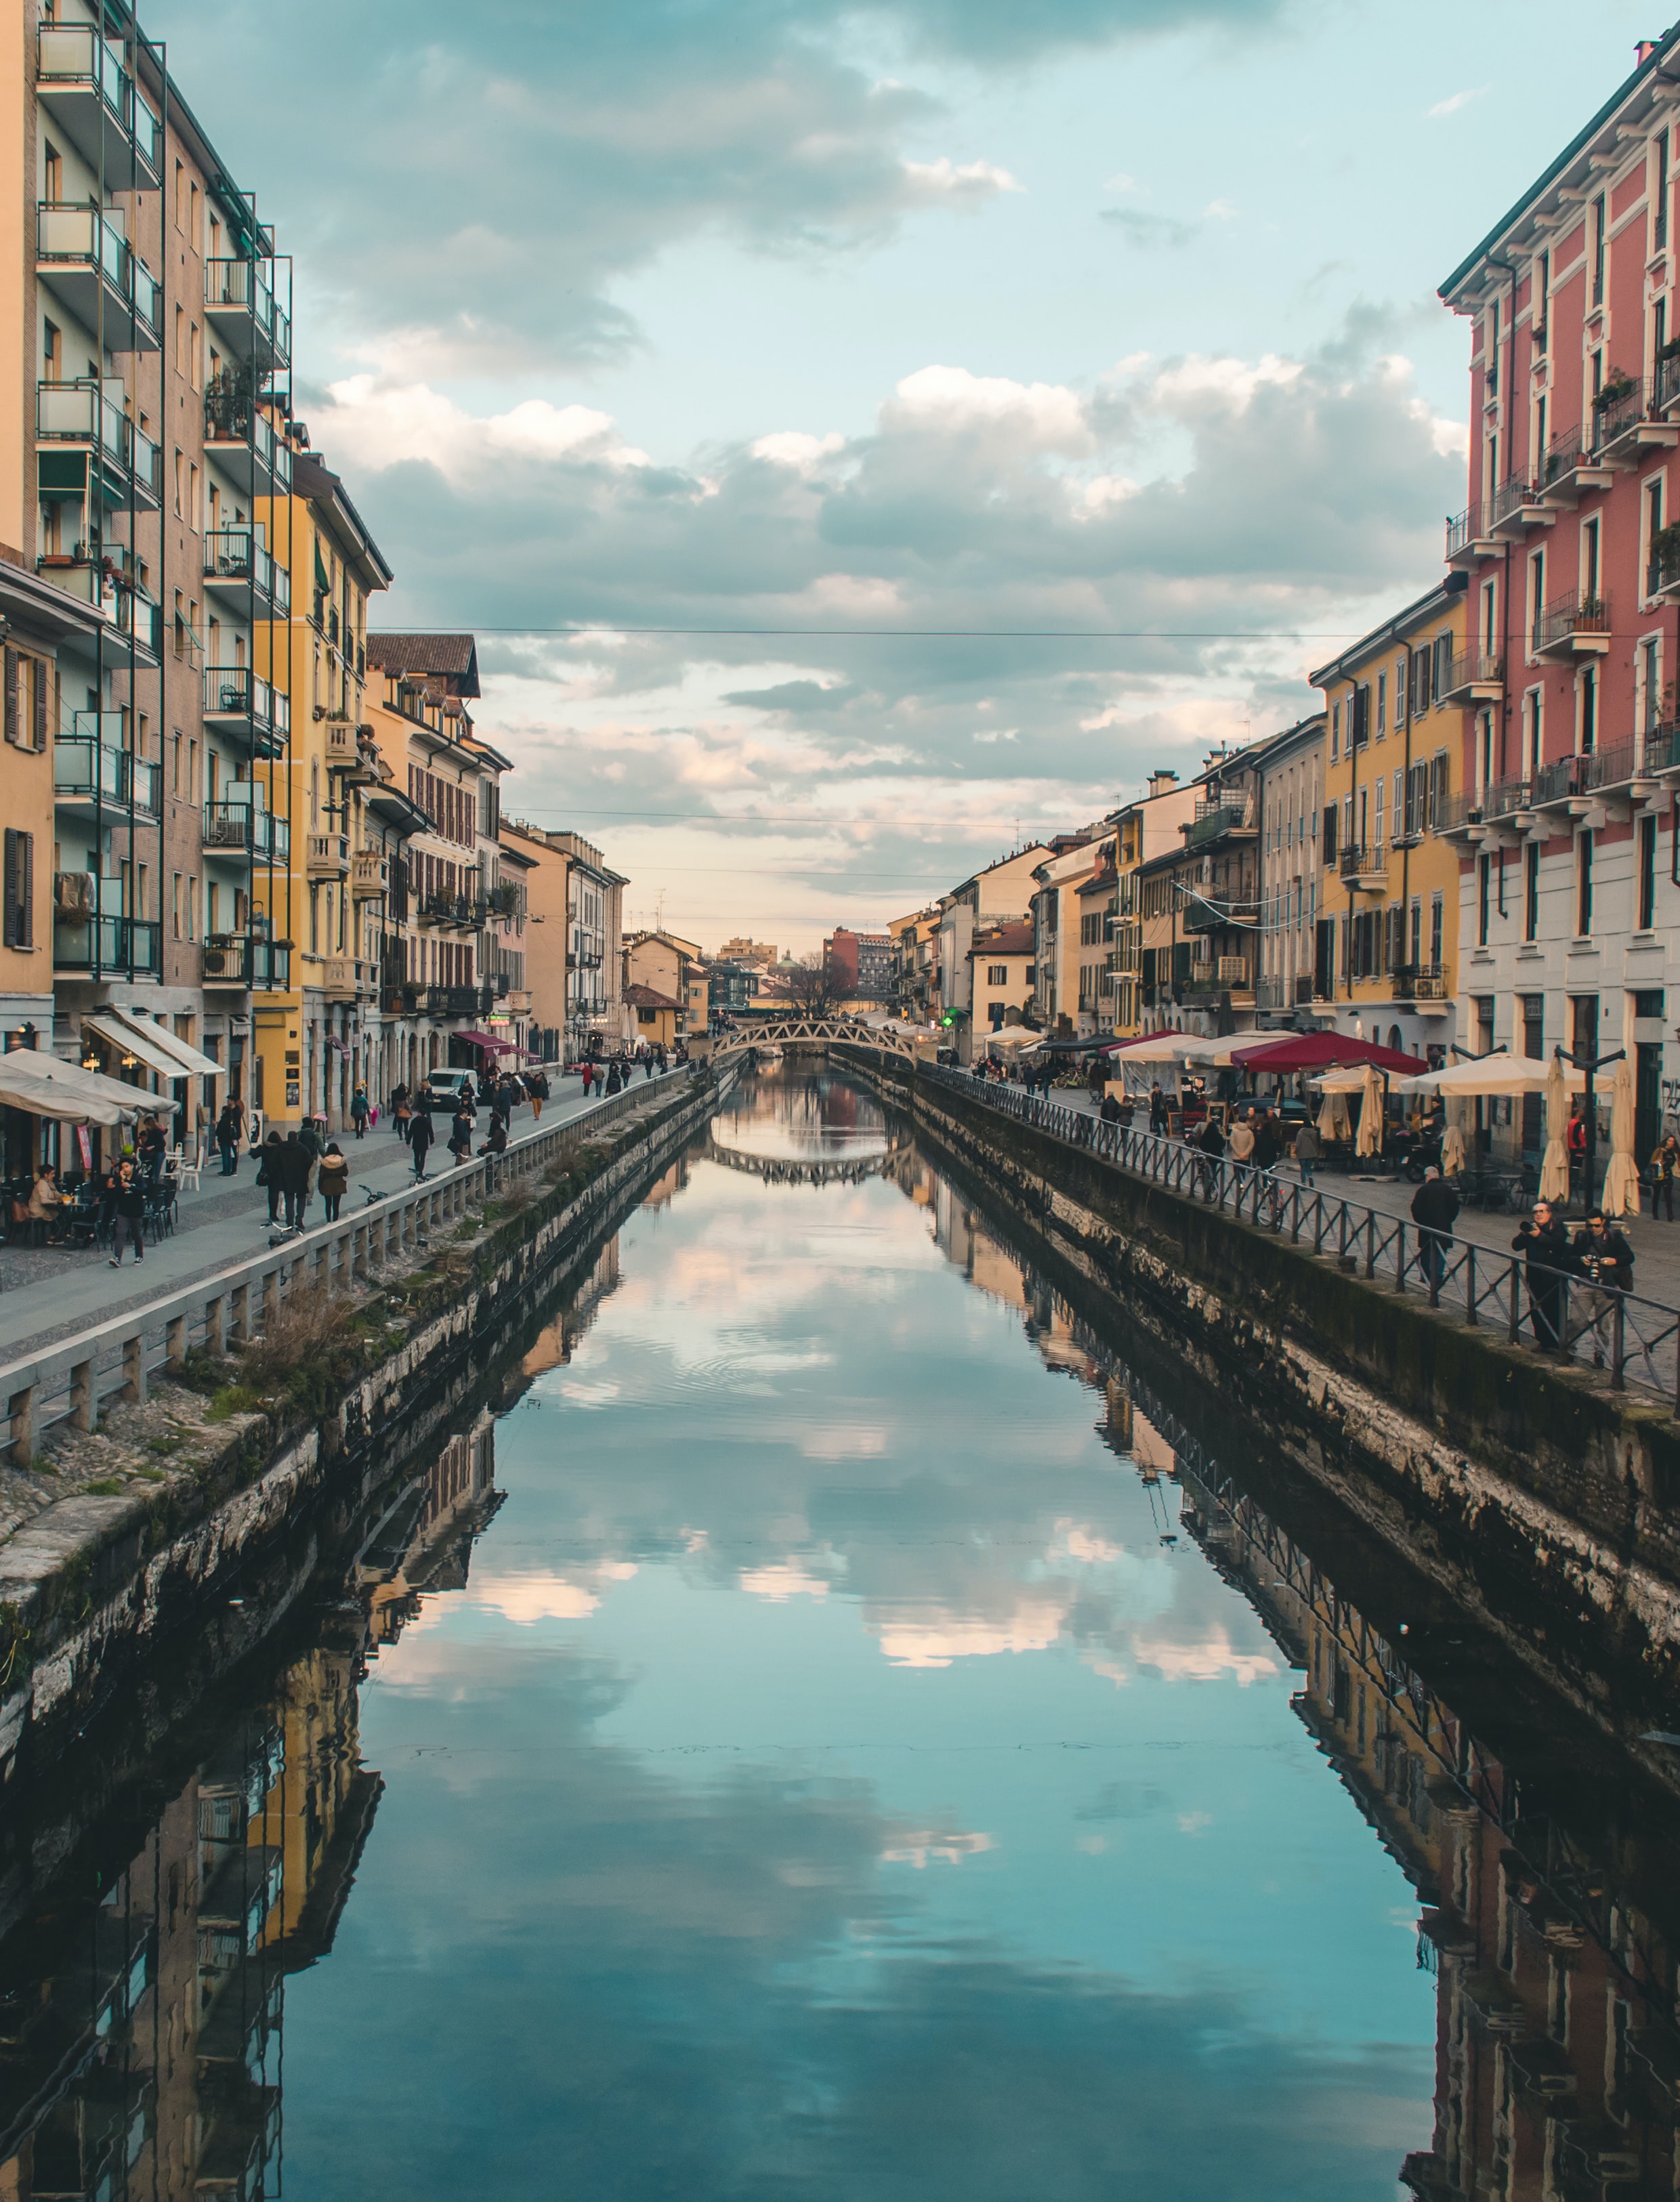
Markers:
916,320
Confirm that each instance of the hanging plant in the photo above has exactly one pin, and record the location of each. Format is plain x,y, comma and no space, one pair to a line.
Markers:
1619,386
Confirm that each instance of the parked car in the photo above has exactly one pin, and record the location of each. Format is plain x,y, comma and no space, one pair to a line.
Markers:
444,1086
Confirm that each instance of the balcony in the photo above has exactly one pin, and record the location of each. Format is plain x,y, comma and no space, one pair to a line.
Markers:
344,751
105,944
465,1001
92,778
1203,914
348,979
1665,389
96,452
1474,676
238,564
246,829
1463,816
1468,539
102,579
462,913
82,255
1662,749
1570,470
1418,982
80,81
1572,626
1365,869
1662,575
226,959
239,304
237,699
1623,422
1213,820
240,438
327,855
1517,508
1220,975
370,875
517,1001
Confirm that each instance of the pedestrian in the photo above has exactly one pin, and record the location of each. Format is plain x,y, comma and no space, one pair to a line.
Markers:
614,1083
271,1172
1210,1142
1543,1241
537,1087
420,1140
312,1139
1306,1152
149,1148
130,1204
1157,1109
296,1161
1434,1207
647,1064
1664,1166
588,1076
1605,1259
460,1134
402,1110
358,1111
1268,1146
1242,1149
227,1141
497,1142
334,1180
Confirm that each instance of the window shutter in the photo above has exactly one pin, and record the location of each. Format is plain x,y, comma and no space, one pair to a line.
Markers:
13,730
14,859
42,680
26,913
1330,833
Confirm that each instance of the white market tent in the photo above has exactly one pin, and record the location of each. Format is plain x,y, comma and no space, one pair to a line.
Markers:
42,1085
1491,1074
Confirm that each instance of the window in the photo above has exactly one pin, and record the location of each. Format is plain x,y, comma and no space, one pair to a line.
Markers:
1402,696
1648,873
1443,663
1583,883
1659,194
1382,705
180,195
181,481
1416,929
1589,562
175,764
175,908
1359,728
1380,837
1647,1002
1330,833
1598,250
52,353
1654,527
1437,929
1650,673
20,890
1539,301
1536,593
1532,891
997,974
1484,876
1588,711
1336,732
26,680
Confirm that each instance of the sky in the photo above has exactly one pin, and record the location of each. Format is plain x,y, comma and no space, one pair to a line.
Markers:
866,438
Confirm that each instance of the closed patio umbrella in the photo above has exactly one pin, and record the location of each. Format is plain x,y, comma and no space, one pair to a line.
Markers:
1621,1180
1333,1117
1370,1141
1554,1169
1453,1138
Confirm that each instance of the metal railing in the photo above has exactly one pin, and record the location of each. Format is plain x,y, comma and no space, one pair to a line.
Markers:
75,54
1356,863
1617,408
72,1379
247,827
1418,982
73,236
239,554
235,692
1213,819
95,771
1463,529
1558,1312
106,943
84,412
1472,669
1510,497
1569,615
237,286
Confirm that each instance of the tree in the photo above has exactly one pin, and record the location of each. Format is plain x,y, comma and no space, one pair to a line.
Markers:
810,987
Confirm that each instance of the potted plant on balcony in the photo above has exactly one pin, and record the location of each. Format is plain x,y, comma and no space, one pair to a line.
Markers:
1621,386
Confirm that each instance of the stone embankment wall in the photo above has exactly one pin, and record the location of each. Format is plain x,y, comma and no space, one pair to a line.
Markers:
181,1493
1533,1491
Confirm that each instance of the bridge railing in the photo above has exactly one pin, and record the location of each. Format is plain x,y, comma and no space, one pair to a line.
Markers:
1558,1312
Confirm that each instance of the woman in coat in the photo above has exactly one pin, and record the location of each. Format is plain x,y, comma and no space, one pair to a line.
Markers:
334,1178
130,1201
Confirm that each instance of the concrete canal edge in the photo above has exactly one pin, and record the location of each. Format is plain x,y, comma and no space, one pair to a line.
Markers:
204,1480
1540,1497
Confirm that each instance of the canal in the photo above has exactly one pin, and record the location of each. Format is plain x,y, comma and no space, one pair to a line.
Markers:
839,1731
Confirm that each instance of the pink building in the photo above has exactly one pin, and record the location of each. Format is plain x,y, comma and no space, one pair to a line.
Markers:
1566,818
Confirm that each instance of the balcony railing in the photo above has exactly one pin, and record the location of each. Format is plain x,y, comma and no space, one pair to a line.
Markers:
1618,412
226,959
1662,747
78,247
1213,819
235,692
466,1001
246,828
1418,982
239,296
1464,529
1471,670
1218,975
368,875
460,910
106,943
1573,621
1356,863
82,81
1509,496
239,555
92,773
327,856
128,463
1613,766
101,580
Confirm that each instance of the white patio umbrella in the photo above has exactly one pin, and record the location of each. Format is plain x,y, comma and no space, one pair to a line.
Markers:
1621,1180
1370,1141
1493,1074
1333,1117
1453,1151
1554,1169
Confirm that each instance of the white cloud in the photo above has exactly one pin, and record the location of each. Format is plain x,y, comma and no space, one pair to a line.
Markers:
1041,416
1457,101
943,181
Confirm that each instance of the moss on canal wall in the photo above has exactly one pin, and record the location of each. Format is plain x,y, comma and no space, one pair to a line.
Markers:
1532,1490
170,1498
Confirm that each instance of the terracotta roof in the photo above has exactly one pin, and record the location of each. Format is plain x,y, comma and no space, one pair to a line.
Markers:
649,997
450,657
1007,940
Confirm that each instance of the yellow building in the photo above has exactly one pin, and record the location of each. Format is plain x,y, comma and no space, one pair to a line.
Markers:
656,990
1002,956
1387,946
322,885
1142,829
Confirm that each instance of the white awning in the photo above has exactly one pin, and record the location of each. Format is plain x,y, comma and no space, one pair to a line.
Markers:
191,1062
127,1040
45,1086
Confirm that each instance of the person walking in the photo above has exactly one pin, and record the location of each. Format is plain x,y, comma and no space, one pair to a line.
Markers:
271,1172
1242,1150
227,1141
358,1112
296,1161
420,1140
130,1222
614,1083
537,1086
1664,1166
1435,1208
1268,1146
1605,1259
1157,1109
588,1076
1212,1143
402,1111
1306,1152
334,1180
312,1139
1543,1241
149,1148
647,1064
460,1134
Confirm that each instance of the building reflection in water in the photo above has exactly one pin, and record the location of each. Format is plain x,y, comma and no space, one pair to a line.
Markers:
1547,1897
140,2035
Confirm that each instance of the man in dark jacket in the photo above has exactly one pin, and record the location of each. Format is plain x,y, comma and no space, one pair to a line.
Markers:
420,1139
1605,1259
1211,1141
1268,1146
1435,1208
296,1160
1544,1243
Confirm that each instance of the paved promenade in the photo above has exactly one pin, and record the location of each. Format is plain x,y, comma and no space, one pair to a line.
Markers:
47,1292
1656,1244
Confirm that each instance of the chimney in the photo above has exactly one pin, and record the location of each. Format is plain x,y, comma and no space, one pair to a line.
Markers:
1162,783
1644,51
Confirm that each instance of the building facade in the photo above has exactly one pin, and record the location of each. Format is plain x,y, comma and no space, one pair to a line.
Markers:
1198,905
1292,799
595,1016
1003,977
1002,893
1385,953
1143,829
1572,557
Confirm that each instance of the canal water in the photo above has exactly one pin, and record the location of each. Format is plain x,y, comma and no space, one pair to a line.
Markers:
831,1735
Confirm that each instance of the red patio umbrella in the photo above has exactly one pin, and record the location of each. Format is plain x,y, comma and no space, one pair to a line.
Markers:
1322,1050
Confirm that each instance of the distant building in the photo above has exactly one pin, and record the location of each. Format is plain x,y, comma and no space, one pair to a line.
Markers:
1002,958
859,964
731,984
656,965
760,953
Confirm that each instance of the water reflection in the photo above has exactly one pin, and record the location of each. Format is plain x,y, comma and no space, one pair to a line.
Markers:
854,1765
